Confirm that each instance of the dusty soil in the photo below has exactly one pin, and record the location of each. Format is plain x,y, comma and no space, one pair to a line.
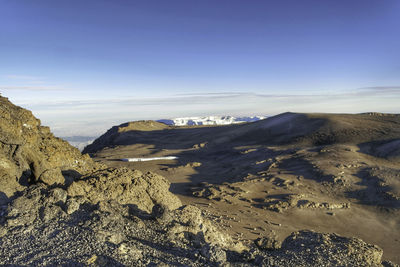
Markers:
328,173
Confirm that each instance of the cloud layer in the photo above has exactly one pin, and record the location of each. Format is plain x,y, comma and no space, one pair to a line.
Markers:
94,116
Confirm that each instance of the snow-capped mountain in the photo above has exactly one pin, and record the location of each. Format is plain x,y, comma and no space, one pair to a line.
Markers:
210,120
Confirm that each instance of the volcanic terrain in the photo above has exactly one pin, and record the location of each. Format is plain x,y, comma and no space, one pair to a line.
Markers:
333,173
293,190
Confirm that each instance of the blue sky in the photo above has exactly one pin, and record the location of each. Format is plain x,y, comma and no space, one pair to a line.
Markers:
83,66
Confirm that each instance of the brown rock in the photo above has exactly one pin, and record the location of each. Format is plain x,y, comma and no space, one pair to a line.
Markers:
30,153
268,243
126,187
52,176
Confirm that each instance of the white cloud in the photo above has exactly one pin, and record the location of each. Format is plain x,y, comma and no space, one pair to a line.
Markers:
25,80
30,88
90,116
23,77
16,82
380,89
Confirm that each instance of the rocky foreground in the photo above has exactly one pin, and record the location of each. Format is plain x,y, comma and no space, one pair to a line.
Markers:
58,207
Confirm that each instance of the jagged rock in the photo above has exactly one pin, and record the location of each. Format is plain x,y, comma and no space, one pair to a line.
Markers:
9,182
250,255
158,189
126,187
268,243
305,203
102,261
214,254
130,252
3,231
162,214
305,248
29,152
35,203
50,212
25,209
191,227
73,204
52,176
58,196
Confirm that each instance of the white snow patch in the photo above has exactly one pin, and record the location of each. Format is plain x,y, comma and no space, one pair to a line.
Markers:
149,159
210,120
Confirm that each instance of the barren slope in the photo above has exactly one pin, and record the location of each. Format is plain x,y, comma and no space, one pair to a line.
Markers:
327,172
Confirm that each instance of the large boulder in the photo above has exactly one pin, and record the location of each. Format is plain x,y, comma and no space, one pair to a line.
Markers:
126,187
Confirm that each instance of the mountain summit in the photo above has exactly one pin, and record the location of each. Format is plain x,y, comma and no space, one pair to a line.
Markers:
210,120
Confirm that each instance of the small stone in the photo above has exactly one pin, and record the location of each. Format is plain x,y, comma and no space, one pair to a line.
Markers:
100,261
249,255
92,260
214,254
116,238
267,243
51,212
138,222
162,214
58,196
52,176
130,252
72,205
3,231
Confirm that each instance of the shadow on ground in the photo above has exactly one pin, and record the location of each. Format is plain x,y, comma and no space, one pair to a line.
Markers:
376,192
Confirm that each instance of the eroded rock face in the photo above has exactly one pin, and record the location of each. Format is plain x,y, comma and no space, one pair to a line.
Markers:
29,152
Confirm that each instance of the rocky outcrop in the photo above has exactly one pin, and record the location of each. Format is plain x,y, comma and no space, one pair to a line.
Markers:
65,230
29,153
125,187
188,225
37,229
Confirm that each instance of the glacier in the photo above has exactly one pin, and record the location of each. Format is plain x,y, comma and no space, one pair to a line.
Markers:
210,120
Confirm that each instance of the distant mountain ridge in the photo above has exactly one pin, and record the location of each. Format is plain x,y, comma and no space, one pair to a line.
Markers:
210,120
79,141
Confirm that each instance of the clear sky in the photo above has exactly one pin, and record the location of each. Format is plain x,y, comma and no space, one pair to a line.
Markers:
83,66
